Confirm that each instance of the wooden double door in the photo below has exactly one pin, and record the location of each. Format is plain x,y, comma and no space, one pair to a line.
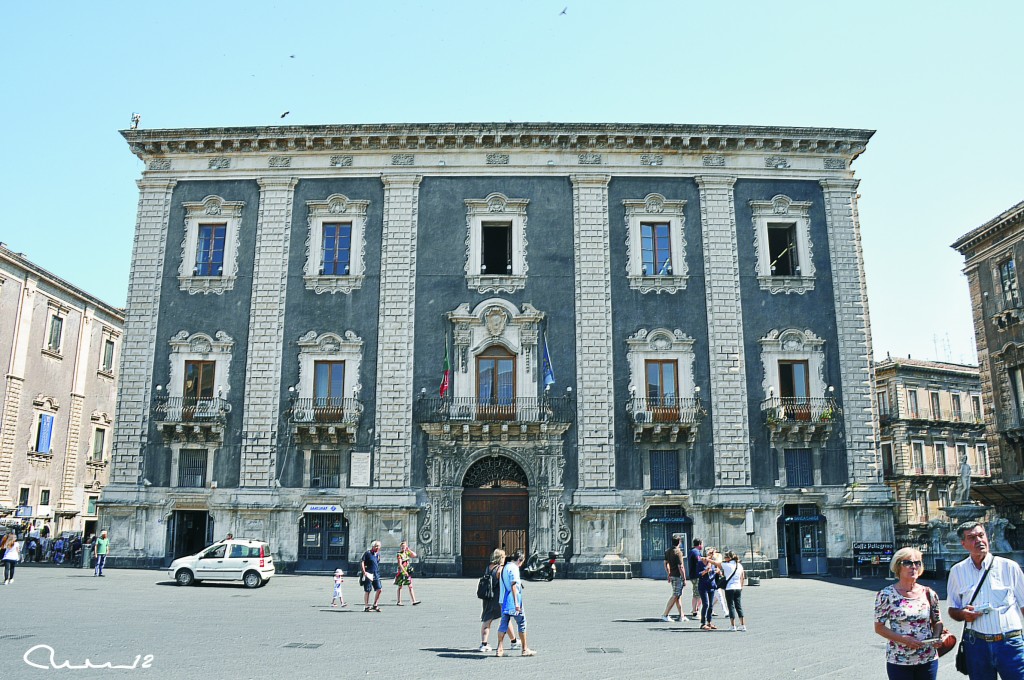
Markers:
492,518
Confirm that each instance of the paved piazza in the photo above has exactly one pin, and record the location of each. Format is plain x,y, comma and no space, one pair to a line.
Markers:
799,628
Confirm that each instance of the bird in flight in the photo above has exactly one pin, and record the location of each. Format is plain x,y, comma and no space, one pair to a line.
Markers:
564,10
285,114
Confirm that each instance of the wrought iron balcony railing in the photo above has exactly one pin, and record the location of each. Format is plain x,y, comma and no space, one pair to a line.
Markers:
191,410
326,410
472,409
796,410
667,410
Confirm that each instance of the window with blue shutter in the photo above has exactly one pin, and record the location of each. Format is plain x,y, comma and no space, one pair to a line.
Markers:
799,467
664,470
45,434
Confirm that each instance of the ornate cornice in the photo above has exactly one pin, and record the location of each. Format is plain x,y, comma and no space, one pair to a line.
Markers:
589,139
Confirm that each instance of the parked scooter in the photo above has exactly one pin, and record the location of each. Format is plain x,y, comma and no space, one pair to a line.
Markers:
536,569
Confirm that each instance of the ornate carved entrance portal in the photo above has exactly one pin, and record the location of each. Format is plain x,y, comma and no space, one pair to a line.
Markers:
495,511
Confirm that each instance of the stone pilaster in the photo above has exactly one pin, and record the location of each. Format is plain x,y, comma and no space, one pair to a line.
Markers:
729,416
595,426
395,331
266,333
8,434
853,328
135,380
72,450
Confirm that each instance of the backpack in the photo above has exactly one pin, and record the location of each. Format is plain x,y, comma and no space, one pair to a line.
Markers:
485,586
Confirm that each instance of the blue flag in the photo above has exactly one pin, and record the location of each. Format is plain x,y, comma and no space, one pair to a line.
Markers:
546,369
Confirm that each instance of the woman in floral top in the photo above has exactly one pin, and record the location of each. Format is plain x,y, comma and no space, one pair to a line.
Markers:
912,614
404,576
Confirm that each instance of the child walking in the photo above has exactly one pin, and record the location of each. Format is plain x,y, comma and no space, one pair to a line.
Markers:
339,578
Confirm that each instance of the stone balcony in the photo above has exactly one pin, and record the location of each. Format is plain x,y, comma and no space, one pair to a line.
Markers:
325,420
519,418
665,419
188,419
802,420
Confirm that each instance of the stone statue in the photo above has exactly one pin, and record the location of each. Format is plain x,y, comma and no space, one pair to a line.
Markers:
963,489
937,530
997,535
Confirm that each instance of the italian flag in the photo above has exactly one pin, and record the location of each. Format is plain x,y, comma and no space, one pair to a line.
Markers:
447,376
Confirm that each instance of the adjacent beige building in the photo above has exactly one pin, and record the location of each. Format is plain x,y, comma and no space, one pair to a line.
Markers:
60,347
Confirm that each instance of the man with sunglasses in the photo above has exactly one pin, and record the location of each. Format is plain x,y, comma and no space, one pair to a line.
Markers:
992,635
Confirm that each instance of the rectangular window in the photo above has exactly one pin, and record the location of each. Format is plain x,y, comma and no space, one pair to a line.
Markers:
199,380
940,458
99,442
56,331
1017,386
794,380
328,382
90,507
981,453
192,468
887,459
496,377
325,470
44,433
665,470
662,394
1008,283
936,407
912,404
496,249
976,407
210,250
799,467
336,252
44,497
23,496
783,257
922,507
656,249
917,456
943,498
957,414
107,365
961,455
883,403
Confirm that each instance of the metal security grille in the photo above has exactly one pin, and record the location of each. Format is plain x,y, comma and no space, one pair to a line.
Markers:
325,470
192,468
664,470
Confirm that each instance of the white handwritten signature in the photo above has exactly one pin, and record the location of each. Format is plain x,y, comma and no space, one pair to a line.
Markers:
140,662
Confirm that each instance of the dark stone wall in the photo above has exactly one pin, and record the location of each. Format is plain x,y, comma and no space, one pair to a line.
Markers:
763,311
441,280
228,312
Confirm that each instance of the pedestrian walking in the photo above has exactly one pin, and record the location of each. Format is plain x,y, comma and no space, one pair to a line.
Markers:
907,614
403,579
512,604
694,565
10,550
370,565
339,578
735,577
986,592
100,551
719,596
676,578
491,607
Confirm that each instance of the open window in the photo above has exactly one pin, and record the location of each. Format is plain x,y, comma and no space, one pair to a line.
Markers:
496,243
782,241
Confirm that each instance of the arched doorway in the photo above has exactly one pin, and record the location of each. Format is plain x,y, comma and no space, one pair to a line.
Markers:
802,541
495,511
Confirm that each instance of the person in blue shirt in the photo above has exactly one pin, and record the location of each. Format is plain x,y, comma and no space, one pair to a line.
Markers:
370,564
512,603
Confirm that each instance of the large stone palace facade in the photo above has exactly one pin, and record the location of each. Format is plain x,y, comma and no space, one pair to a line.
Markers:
637,330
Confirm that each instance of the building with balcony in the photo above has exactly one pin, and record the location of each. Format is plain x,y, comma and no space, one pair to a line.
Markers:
575,337
991,253
932,420
61,346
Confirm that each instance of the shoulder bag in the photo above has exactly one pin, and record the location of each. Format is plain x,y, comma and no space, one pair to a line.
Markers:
961,654
948,639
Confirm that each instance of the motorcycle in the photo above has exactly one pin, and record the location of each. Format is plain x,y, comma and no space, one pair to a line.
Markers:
536,569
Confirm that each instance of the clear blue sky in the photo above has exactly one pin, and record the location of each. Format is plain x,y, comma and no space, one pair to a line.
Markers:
940,82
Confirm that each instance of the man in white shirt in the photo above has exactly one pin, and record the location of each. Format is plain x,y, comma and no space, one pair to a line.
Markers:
992,638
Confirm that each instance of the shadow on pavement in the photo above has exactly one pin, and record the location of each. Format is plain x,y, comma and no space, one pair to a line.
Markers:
876,584
456,653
